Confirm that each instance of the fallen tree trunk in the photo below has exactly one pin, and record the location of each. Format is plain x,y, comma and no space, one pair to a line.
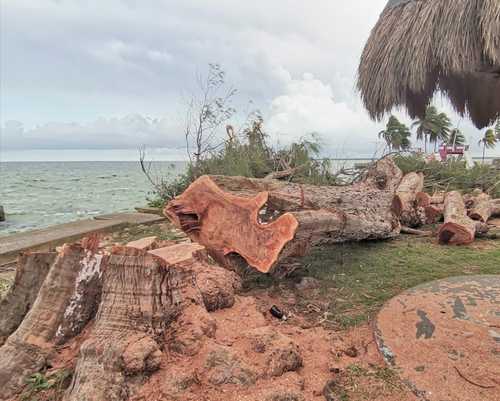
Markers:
458,228
406,197
66,301
269,223
480,208
32,268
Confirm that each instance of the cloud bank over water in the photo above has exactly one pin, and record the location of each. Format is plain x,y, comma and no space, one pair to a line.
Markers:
115,74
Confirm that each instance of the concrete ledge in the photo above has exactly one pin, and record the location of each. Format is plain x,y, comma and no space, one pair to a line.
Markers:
50,237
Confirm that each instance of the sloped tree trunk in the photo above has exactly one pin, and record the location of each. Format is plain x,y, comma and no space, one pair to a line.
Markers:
270,223
66,301
32,268
458,228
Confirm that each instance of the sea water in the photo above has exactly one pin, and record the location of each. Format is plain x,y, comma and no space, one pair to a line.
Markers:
40,194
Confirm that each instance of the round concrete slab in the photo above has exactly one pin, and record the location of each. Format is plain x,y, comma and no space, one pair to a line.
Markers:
443,338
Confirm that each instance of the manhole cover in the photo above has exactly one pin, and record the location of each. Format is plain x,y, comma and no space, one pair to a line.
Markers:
443,338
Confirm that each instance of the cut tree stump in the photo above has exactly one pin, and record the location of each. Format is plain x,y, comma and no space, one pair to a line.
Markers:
66,301
32,268
406,198
270,223
145,295
125,306
458,228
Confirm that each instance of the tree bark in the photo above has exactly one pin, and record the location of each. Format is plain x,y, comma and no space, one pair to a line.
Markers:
406,197
424,199
32,268
434,213
269,223
458,228
65,303
480,209
495,208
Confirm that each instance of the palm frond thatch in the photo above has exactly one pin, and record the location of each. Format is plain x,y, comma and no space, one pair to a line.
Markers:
419,47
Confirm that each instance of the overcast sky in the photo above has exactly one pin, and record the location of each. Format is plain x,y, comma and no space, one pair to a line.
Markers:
111,75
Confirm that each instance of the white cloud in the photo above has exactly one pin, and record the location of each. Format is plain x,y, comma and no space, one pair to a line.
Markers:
129,132
308,105
71,60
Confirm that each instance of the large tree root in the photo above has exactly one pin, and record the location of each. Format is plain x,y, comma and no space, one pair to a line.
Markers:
269,223
32,268
66,301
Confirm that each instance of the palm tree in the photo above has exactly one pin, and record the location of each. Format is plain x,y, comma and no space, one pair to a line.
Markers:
497,129
488,141
456,137
433,127
396,135
443,124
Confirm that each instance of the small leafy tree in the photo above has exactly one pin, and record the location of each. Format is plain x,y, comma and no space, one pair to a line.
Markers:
208,110
488,141
433,127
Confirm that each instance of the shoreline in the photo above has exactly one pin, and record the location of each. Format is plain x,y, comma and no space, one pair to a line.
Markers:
50,237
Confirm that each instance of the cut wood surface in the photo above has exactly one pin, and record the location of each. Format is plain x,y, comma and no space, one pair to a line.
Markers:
458,228
267,222
406,198
32,268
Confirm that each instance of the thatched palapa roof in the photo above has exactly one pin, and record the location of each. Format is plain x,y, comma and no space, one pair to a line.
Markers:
419,47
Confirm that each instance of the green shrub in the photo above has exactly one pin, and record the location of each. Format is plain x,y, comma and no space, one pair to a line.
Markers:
452,175
249,155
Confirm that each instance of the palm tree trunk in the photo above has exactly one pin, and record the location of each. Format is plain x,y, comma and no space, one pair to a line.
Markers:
484,150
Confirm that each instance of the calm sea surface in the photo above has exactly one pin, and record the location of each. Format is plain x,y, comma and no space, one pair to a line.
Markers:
40,194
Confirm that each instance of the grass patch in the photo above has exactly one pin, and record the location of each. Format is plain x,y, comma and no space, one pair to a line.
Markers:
49,386
163,231
359,278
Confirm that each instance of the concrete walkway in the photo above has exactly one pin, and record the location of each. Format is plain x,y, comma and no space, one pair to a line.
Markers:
47,238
